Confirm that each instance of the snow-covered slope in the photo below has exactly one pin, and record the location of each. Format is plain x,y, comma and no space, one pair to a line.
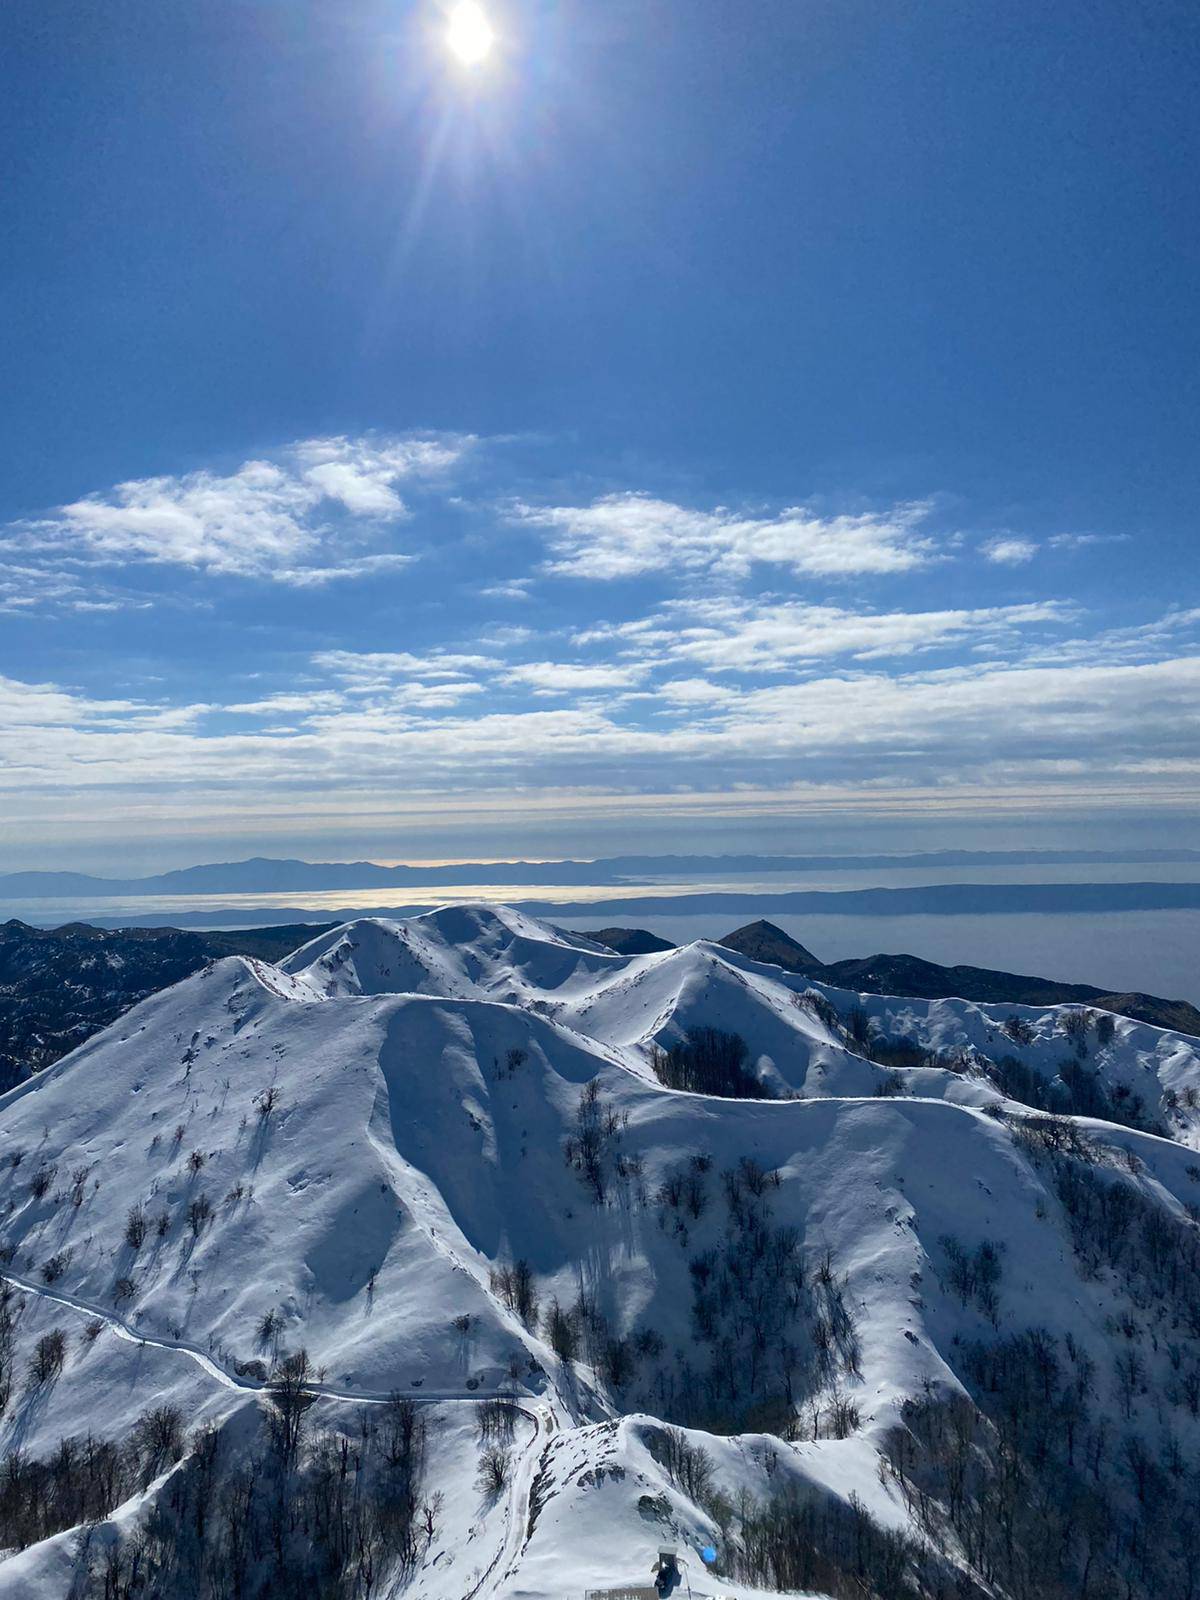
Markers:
407,1147
800,1034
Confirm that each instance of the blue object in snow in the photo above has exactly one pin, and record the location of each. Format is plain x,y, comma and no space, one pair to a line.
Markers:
708,1555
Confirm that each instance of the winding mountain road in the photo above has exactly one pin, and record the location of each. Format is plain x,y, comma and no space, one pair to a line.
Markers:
202,1359
539,1413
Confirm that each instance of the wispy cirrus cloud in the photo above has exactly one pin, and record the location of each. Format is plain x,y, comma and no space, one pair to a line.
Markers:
781,646
364,669
285,518
316,577
1175,632
990,722
508,589
34,587
1083,541
751,635
26,587
626,535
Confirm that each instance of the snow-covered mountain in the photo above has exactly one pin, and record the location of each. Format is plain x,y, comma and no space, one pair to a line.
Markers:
877,1324
801,1035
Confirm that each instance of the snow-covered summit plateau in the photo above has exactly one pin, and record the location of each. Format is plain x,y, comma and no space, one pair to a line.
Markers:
910,1306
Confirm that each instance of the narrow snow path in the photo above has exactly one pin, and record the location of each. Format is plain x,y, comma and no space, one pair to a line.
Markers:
204,1361
539,1413
516,1512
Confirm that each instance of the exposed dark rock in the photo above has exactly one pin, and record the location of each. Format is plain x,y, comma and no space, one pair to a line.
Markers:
763,941
629,941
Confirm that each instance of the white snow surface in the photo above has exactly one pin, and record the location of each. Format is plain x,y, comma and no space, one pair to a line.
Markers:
426,1076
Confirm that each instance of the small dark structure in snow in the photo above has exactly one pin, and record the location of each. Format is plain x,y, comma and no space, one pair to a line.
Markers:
667,1578
630,1591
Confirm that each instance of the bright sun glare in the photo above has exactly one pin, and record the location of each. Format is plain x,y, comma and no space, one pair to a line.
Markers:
469,34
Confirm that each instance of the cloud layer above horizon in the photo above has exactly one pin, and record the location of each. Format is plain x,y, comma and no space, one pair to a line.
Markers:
409,617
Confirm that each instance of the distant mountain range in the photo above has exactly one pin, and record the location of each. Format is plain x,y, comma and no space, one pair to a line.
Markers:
937,899
265,875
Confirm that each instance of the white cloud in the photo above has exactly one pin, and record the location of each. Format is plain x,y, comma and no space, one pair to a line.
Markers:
36,587
360,567
503,637
1010,551
280,518
33,705
748,636
1082,541
366,494
564,677
1080,721
245,523
624,535
381,667
1137,643
684,692
1080,724
510,589
717,692
362,474
286,703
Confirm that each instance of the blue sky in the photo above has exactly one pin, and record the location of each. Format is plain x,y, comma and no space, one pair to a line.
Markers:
699,426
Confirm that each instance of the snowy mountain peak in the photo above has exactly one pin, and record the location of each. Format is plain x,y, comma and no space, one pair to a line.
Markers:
476,949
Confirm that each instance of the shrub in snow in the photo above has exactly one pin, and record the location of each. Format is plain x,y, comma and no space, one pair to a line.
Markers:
54,1268
592,1149
135,1228
495,1419
514,1284
48,1356
495,1464
709,1061
39,1184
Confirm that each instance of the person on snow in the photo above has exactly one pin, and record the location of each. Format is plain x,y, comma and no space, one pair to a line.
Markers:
666,1573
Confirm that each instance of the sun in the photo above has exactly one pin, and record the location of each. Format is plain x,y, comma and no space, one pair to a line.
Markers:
469,34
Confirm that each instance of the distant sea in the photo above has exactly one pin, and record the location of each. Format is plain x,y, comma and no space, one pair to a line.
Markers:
1157,951
1151,952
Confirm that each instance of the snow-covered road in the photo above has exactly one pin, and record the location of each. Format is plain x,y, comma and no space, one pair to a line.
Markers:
540,1414
212,1369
